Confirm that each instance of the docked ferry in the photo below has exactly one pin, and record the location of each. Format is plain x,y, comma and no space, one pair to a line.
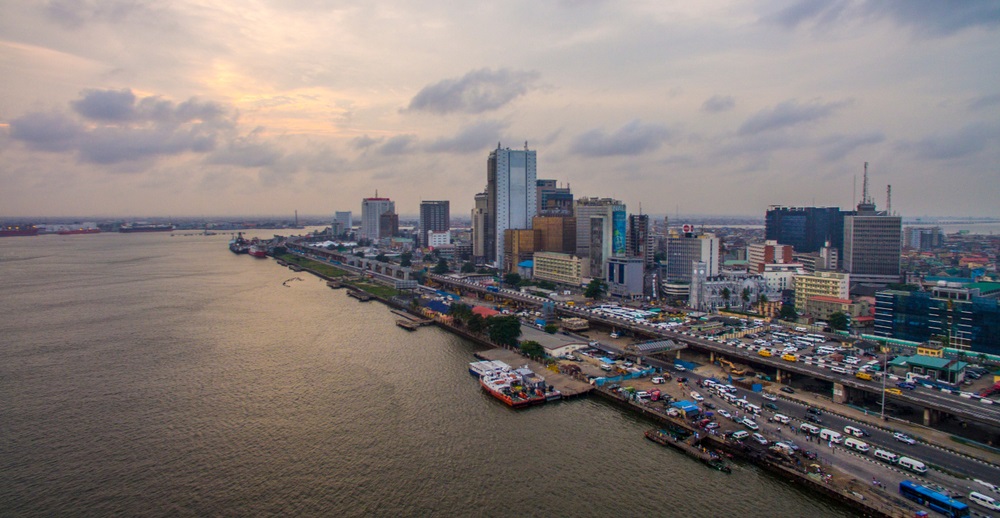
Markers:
518,388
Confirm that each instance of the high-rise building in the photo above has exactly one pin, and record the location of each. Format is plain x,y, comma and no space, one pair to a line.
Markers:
511,188
625,276
482,242
342,222
639,239
685,249
768,252
519,246
554,200
966,315
434,216
558,233
388,225
597,221
829,284
371,210
556,267
806,229
923,238
872,245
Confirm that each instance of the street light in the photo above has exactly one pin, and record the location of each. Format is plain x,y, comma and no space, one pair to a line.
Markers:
885,374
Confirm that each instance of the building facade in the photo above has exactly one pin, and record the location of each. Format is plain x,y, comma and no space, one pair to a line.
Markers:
625,276
511,188
482,242
968,316
519,246
436,239
371,210
830,284
558,233
688,248
923,238
602,209
806,229
872,245
711,293
434,215
553,200
559,268
768,252
820,307
639,241
388,225
342,222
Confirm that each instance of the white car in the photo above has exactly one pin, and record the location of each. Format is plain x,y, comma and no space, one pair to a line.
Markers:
725,413
770,397
759,438
902,437
697,397
749,424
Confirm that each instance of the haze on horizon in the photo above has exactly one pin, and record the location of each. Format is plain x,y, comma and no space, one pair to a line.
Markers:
128,107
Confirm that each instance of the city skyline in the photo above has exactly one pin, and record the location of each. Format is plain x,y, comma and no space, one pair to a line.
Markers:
121,108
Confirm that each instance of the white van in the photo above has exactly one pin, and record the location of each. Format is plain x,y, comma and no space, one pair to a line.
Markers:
986,501
781,418
857,432
697,397
839,370
809,429
857,445
752,408
887,456
913,465
830,435
739,435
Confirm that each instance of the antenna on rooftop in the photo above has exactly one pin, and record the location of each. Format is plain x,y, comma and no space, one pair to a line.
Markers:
864,186
888,200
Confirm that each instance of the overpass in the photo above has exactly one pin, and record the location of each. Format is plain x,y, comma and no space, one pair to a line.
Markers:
934,403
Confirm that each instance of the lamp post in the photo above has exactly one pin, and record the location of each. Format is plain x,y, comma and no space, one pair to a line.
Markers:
885,374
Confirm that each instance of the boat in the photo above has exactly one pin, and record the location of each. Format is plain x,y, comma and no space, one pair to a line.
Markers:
145,227
239,244
18,230
257,248
74,231
518,388
478,369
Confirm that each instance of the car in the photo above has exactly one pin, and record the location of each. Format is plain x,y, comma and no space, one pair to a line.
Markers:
771,406
679,368
906,385
813,419
894,391
682,380
708,405
770,397
788,390
711,426
726,414
749,424
811,455
902,437
759,438
813,410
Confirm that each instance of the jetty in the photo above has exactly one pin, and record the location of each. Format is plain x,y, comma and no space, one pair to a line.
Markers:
334,284
567,385
409,322
360,295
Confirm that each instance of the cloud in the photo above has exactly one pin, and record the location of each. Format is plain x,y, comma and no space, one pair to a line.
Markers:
46,131
365,142
839,146
786,114
476,92
470,139
631,139
248,152
718,103
804,11
121,127
967,141
931,18
398,145
984,102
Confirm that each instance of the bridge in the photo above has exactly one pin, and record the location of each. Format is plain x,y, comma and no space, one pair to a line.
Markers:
935,404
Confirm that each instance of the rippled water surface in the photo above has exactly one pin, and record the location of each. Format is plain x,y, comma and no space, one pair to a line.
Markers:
158,375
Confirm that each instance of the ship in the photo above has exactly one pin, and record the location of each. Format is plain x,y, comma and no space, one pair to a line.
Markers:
146,227
74,231
518,388
18,230
239,244
481,368
257,248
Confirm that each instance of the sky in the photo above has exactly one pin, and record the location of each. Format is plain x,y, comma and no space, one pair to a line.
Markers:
265,107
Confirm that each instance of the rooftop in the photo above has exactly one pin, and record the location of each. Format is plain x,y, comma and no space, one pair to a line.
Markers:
928,362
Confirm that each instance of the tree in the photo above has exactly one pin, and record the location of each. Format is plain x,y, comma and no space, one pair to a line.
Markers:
468,267
406,259
504,330
441,267
512,279
788,312
460,311
381,257
551,328
595,289
532,349
745,296
477,323
761,302
838,321
726,294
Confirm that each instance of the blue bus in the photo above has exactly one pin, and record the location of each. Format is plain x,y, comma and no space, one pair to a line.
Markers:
936,501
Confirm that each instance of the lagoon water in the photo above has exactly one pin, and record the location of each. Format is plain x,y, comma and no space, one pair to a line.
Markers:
159,375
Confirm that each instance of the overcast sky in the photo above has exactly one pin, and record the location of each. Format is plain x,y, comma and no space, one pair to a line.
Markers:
129,107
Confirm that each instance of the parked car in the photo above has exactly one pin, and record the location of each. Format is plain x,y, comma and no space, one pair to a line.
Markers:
811,455
771,406
813,419
902,437
749,424
759,438
725,413
770,397
788,390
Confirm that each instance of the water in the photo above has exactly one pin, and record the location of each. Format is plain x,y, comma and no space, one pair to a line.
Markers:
150,375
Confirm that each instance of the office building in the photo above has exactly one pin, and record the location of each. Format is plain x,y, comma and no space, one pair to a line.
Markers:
830,284
872,245
519,246
820,307
806,229
511,188
482,242
768,252
559,268
388,225
371,210
558,233
639,240
967,315
598,222
923,238
434,216
687,248
625,276
437,239
342,223
553,200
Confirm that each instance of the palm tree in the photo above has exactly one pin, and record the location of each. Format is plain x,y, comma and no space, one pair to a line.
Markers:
745,296
761,302
725,296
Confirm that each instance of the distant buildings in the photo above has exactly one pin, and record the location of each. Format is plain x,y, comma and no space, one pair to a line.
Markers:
553,200
872,245
388,224
965,315
600,232
806,229
371,212
342,222
923,238
482,241
639,241
519,246
625,276
434,216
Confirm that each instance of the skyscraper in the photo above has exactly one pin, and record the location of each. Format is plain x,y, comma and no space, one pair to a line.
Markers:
434,215
872,242
686,249
371,210
807,229
639,239
595,231
342,222
481,244
554,200
510,195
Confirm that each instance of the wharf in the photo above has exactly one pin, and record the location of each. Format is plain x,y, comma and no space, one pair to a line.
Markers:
569,386
409,322
360,295
334,284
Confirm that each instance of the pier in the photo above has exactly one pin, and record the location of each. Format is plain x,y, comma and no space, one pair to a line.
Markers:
567,385
360,295
334,284
409,322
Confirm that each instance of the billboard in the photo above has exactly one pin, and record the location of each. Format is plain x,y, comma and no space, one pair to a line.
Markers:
618,232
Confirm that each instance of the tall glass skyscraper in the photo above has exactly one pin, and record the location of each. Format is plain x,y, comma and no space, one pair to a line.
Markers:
511,190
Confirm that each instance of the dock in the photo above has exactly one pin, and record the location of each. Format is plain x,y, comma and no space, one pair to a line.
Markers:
334,284
569,386
410,322
360,295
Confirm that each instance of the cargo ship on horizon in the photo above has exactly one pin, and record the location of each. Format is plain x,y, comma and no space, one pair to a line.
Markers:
18,230
146,227
74,231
